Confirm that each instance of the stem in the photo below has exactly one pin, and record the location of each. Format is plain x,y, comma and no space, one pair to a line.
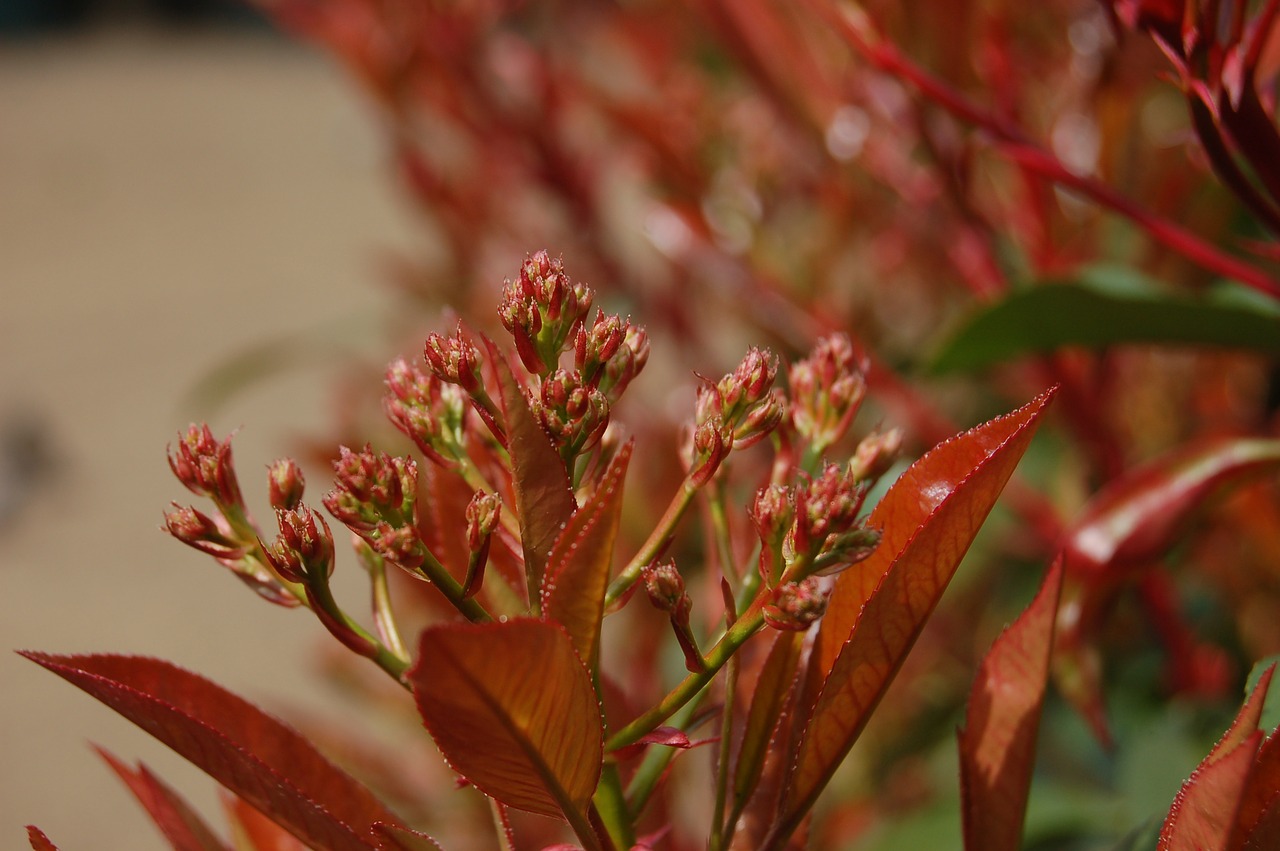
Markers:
746,626
722,770
655,762
657,541
435,573
500,825
351,633
720,527
611,807
384,619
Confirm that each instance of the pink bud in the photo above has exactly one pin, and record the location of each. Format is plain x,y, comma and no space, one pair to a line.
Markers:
482,515
203,533
796,605
304,546
204,465
711,443
875,454
455,359
826,390
772,512
665,586
285,483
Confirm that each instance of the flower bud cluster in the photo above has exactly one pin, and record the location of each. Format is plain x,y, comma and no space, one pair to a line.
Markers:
427,410
543,310
826,390
204,465
304,547
734,413
797,605
454,360
574,414
610,353
375,495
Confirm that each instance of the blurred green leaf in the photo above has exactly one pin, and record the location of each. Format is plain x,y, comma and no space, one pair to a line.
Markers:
1107,306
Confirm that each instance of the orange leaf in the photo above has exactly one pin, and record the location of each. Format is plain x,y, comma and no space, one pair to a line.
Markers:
179,823
512,709
578,570
544,495
254,755
997,744
928,520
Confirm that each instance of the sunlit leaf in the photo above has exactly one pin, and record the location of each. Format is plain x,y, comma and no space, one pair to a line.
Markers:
578,570
1203,814
1128,525
512,709
1094,313
179,823
254,755
39,842
544,494
997,744
928,520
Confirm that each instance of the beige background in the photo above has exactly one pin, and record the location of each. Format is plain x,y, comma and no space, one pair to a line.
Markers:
165,201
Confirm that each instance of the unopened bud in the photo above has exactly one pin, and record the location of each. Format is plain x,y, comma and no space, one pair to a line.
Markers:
875,455
400,544
285,484
772,512
574,414
748,383
304,546
826,390
827,507
203,533
761,418
428,411
543,310
796,605
204,465
482,515
709,445
455,360
665,587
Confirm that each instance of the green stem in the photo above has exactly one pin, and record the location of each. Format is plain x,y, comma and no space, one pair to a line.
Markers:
720,527
437,575
322,600
657,541
656,759
611,807
722,770
746,626
384,618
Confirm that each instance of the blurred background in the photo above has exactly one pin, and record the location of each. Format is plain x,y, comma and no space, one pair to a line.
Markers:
178,186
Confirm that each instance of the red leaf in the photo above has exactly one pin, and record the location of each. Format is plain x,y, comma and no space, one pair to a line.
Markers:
544,495
578,570
392,838
255,831
512,709
39,842
928,520
254,755
671,737
1130,524
1204,812
1258,820
178,822
772,690
997,745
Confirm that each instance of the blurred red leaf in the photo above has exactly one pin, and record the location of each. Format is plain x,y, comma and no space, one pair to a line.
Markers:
39,842
578,569
392,838
1127,526
928,520
252,830
998,742
254,755
180,824
544,495
1258,819
772,691
512,709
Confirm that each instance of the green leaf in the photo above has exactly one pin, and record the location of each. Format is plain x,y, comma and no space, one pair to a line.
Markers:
512,709
1103,309
577,573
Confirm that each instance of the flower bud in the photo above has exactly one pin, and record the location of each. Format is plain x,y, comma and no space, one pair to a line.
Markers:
827,507
482,515
304,546
747,384
204,465
428,411
772,512
543,310
372,488
796,605
875,455
665,587
574,414
761,419
285,484
709,445
626,363
826,390
400,544
203,533
454,360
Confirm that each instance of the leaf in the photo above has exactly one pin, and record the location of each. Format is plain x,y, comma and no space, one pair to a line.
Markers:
1270,717
773,687
998,742
39,842
544,494
1204,812
928,519
1258,818
178,822
512,709
392,838
578,570
252,754
1091,313
1128,525
252,830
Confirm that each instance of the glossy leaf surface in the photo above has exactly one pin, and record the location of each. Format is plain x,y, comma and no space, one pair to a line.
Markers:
998,742
544,495
928,519
512,709
1096,312
180,824
254,755
578,570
